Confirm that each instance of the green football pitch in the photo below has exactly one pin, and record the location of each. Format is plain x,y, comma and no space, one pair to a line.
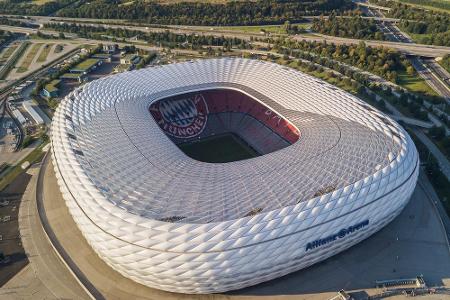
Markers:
218,149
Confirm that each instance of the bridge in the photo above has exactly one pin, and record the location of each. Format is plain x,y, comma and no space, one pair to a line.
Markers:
372,6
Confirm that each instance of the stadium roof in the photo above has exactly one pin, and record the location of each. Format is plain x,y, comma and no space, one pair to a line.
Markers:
116,154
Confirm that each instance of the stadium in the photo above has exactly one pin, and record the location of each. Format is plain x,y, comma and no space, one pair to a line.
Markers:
213,175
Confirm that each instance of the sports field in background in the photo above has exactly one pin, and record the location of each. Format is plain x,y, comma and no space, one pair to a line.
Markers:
218,149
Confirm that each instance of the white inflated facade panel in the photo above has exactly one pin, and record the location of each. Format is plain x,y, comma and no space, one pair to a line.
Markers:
120,175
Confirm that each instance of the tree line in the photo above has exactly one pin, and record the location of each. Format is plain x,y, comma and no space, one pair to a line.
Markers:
6,36
17,23
351,27
20,7
162,39
382,61
205,13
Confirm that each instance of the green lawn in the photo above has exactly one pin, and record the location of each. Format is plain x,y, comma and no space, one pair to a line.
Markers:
218,149
44,53
437,5
12,172
29,58
415,83
11,62
41,2
418,38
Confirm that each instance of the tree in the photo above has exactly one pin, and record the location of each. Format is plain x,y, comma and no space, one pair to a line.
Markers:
287,26
437,132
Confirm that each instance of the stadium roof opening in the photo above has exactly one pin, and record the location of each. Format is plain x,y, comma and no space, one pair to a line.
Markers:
222,125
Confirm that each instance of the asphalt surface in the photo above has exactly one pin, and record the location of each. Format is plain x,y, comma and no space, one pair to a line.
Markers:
430,193
439,76
426,70
10,243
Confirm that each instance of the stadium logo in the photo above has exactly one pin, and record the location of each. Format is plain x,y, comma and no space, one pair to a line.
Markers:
339,235
181,118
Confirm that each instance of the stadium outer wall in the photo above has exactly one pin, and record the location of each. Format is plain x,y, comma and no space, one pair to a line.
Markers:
255,268
233,254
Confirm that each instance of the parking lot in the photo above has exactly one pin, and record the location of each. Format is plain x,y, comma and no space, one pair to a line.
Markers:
8,130
10,240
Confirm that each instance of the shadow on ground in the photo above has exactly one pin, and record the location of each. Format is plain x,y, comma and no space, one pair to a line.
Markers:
10,244
413,244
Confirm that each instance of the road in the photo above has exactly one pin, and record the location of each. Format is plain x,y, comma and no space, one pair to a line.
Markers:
441,77
425,184
412,49
436,84
428,69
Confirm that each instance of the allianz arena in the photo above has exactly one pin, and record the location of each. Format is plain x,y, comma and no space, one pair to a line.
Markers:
325,172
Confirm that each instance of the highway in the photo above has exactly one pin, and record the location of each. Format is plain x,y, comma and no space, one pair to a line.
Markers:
410,48
428,69
434,76
434,81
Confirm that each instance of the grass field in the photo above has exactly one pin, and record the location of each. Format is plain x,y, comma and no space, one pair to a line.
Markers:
44,53
197,1
41,2
415,83
218,149
10,173
7,53
29,58
420,38
11,62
